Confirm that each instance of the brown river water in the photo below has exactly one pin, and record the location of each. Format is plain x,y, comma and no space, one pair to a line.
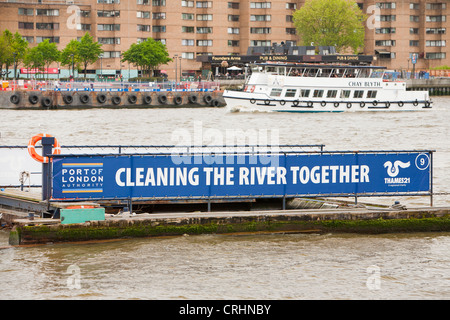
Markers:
270,266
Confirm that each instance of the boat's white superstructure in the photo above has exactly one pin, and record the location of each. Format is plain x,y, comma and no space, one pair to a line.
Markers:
324,88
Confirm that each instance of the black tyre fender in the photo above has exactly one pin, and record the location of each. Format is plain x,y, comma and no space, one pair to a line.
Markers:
15,98
101,98
162,99
178,100
33,99
46,102
116,100
132,99
147,99
68,99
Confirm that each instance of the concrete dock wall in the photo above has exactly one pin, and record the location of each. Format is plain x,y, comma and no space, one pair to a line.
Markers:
174,224
25,99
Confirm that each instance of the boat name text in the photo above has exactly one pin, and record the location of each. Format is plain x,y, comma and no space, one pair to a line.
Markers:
364,84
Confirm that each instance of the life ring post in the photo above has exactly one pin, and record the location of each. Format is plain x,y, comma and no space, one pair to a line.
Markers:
47,148
48,144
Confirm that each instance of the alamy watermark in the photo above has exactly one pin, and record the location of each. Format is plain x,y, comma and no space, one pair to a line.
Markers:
74,280
212,145
374,279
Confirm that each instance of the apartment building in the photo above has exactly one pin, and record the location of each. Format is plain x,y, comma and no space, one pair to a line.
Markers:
394,29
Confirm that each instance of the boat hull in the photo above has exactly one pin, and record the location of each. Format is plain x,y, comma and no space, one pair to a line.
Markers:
244,101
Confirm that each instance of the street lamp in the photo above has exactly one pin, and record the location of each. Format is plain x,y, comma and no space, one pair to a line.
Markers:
14,65
73,69
101,66
175,57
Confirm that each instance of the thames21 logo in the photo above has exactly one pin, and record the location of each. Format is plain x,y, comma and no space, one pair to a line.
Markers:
393,170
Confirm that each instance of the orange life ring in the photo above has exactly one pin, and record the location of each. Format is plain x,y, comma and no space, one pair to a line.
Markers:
68,86
32,150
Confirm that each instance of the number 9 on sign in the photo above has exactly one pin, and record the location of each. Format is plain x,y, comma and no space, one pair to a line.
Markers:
422,161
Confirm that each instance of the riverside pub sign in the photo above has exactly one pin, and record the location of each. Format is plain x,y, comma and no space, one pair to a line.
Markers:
240,60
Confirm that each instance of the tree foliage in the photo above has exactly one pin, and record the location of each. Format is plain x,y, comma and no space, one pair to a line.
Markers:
88,51
338,23
12,49
147,55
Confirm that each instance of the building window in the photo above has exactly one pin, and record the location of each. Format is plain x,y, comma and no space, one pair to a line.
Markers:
414,6
187,55
291,31
143,2
111,54
204,17
260,30
413,43
109,1
414,18
233,30
385,43
203,4
159,3
159,28
385,5
25,12
435,55
189,4
260,5
187,29
233,43
435,43
291,6
435,18
47,26
204,30
108,27
108,14
47,12
26,25
264,17
28,39
233,17
50,39
413,30
385,17
159,15
109,40
435,30
187,16
436,6
233,5
83,27
385,30
143,14
143,27
204,43
187,42
260,43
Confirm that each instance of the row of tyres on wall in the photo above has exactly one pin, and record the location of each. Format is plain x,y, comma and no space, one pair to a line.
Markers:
200,176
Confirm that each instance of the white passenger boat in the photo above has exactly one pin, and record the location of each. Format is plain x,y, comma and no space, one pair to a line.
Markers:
324,88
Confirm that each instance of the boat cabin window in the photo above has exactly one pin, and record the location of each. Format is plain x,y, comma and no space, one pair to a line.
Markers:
376,74
331,93
358,94
345,94
372,94
276,92
318,93
290,93
305,93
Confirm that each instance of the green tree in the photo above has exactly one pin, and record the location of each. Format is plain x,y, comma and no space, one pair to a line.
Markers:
70,54
338,23
49,51
34,59
88,51
147,55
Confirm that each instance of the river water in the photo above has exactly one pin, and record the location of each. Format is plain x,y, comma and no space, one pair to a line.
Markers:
300,266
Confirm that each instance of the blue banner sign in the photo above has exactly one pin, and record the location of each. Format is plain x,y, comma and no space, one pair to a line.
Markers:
235,176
